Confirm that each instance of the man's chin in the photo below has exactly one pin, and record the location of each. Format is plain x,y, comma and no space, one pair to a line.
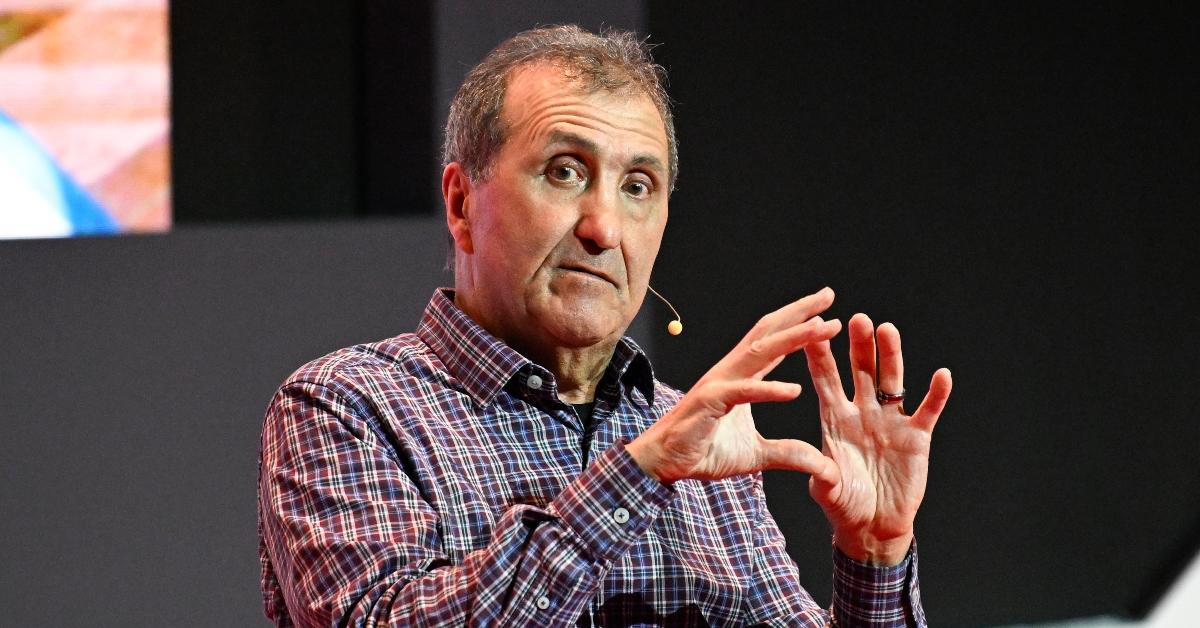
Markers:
581,335
584,325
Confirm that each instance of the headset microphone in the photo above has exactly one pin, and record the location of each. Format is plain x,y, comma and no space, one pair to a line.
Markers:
674,327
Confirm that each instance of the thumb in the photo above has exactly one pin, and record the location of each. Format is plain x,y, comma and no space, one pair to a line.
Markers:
826,485
792,455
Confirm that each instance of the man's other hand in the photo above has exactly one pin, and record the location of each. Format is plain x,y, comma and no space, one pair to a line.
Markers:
880,454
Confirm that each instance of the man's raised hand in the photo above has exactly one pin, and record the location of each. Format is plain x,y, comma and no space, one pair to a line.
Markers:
710,433
880,454
869,475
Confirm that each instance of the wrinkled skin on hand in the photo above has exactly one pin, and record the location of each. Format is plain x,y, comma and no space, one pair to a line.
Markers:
881,454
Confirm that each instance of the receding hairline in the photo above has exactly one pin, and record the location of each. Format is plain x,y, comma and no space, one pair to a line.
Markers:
609,60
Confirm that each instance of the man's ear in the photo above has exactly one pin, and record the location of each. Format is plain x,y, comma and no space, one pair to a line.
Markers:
456,192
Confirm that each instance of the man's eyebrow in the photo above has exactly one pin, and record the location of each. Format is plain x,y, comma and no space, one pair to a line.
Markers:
571,139
649,160
583,143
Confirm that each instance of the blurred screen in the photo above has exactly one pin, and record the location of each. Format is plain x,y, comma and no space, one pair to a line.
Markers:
84,118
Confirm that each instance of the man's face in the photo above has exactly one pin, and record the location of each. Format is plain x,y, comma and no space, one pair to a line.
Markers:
555,247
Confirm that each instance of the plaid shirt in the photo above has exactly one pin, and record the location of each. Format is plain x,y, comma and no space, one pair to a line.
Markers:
436,478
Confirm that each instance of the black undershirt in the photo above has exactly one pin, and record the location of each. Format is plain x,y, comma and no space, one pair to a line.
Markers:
584,410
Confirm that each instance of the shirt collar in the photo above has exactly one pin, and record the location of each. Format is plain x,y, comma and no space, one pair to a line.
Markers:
476,358
631,365
483,364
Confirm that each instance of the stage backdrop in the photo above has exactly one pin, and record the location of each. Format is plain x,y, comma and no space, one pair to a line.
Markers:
1009,185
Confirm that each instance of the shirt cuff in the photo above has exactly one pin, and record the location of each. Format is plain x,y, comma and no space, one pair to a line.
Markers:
611,504
876,596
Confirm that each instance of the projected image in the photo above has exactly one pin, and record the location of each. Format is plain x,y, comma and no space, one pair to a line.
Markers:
84,122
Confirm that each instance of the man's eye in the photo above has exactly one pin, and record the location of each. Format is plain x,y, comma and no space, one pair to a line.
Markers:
564,173
637,189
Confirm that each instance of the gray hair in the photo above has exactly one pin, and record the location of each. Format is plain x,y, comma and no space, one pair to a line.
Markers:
610,61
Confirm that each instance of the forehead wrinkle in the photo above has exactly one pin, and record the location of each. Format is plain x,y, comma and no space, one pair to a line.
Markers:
537,112
555,134
605,127
547,118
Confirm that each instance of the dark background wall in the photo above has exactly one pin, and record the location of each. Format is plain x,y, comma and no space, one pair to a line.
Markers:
1010,185
134,375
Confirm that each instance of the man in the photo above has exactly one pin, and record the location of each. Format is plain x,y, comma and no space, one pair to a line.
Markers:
514,462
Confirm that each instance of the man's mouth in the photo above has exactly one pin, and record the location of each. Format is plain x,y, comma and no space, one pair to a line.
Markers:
587,270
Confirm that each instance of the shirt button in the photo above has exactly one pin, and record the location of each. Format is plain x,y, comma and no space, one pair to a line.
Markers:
620,515
534,382
543,603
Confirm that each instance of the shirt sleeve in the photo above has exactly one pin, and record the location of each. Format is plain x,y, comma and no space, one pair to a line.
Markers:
349,541
863,595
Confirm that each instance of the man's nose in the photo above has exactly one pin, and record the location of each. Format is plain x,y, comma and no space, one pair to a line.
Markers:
600,219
